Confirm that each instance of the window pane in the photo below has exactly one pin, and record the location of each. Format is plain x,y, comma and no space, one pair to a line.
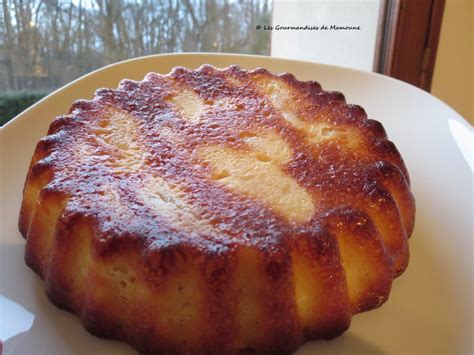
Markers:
46,44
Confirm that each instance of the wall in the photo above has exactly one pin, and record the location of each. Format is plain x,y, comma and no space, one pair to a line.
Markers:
453,76
347,48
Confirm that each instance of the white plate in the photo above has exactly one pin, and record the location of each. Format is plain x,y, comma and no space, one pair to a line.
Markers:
430,308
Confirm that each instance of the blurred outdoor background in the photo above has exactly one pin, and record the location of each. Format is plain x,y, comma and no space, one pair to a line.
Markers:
45,44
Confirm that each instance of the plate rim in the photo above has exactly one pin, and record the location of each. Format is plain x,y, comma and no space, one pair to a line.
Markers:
13,125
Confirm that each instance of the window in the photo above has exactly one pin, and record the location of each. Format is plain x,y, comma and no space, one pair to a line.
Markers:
46,44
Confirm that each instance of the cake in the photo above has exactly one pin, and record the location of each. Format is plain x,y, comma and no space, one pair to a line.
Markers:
216,211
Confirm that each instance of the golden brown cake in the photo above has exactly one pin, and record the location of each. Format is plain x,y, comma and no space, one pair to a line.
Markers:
215,211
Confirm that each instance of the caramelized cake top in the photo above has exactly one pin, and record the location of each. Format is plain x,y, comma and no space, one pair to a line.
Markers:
215,158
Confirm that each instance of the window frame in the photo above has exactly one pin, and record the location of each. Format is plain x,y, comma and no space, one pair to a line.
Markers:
409,33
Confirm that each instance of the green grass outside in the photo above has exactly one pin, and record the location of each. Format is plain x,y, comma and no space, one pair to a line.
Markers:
11,104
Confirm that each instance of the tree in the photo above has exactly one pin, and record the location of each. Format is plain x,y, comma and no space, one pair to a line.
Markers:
47,43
